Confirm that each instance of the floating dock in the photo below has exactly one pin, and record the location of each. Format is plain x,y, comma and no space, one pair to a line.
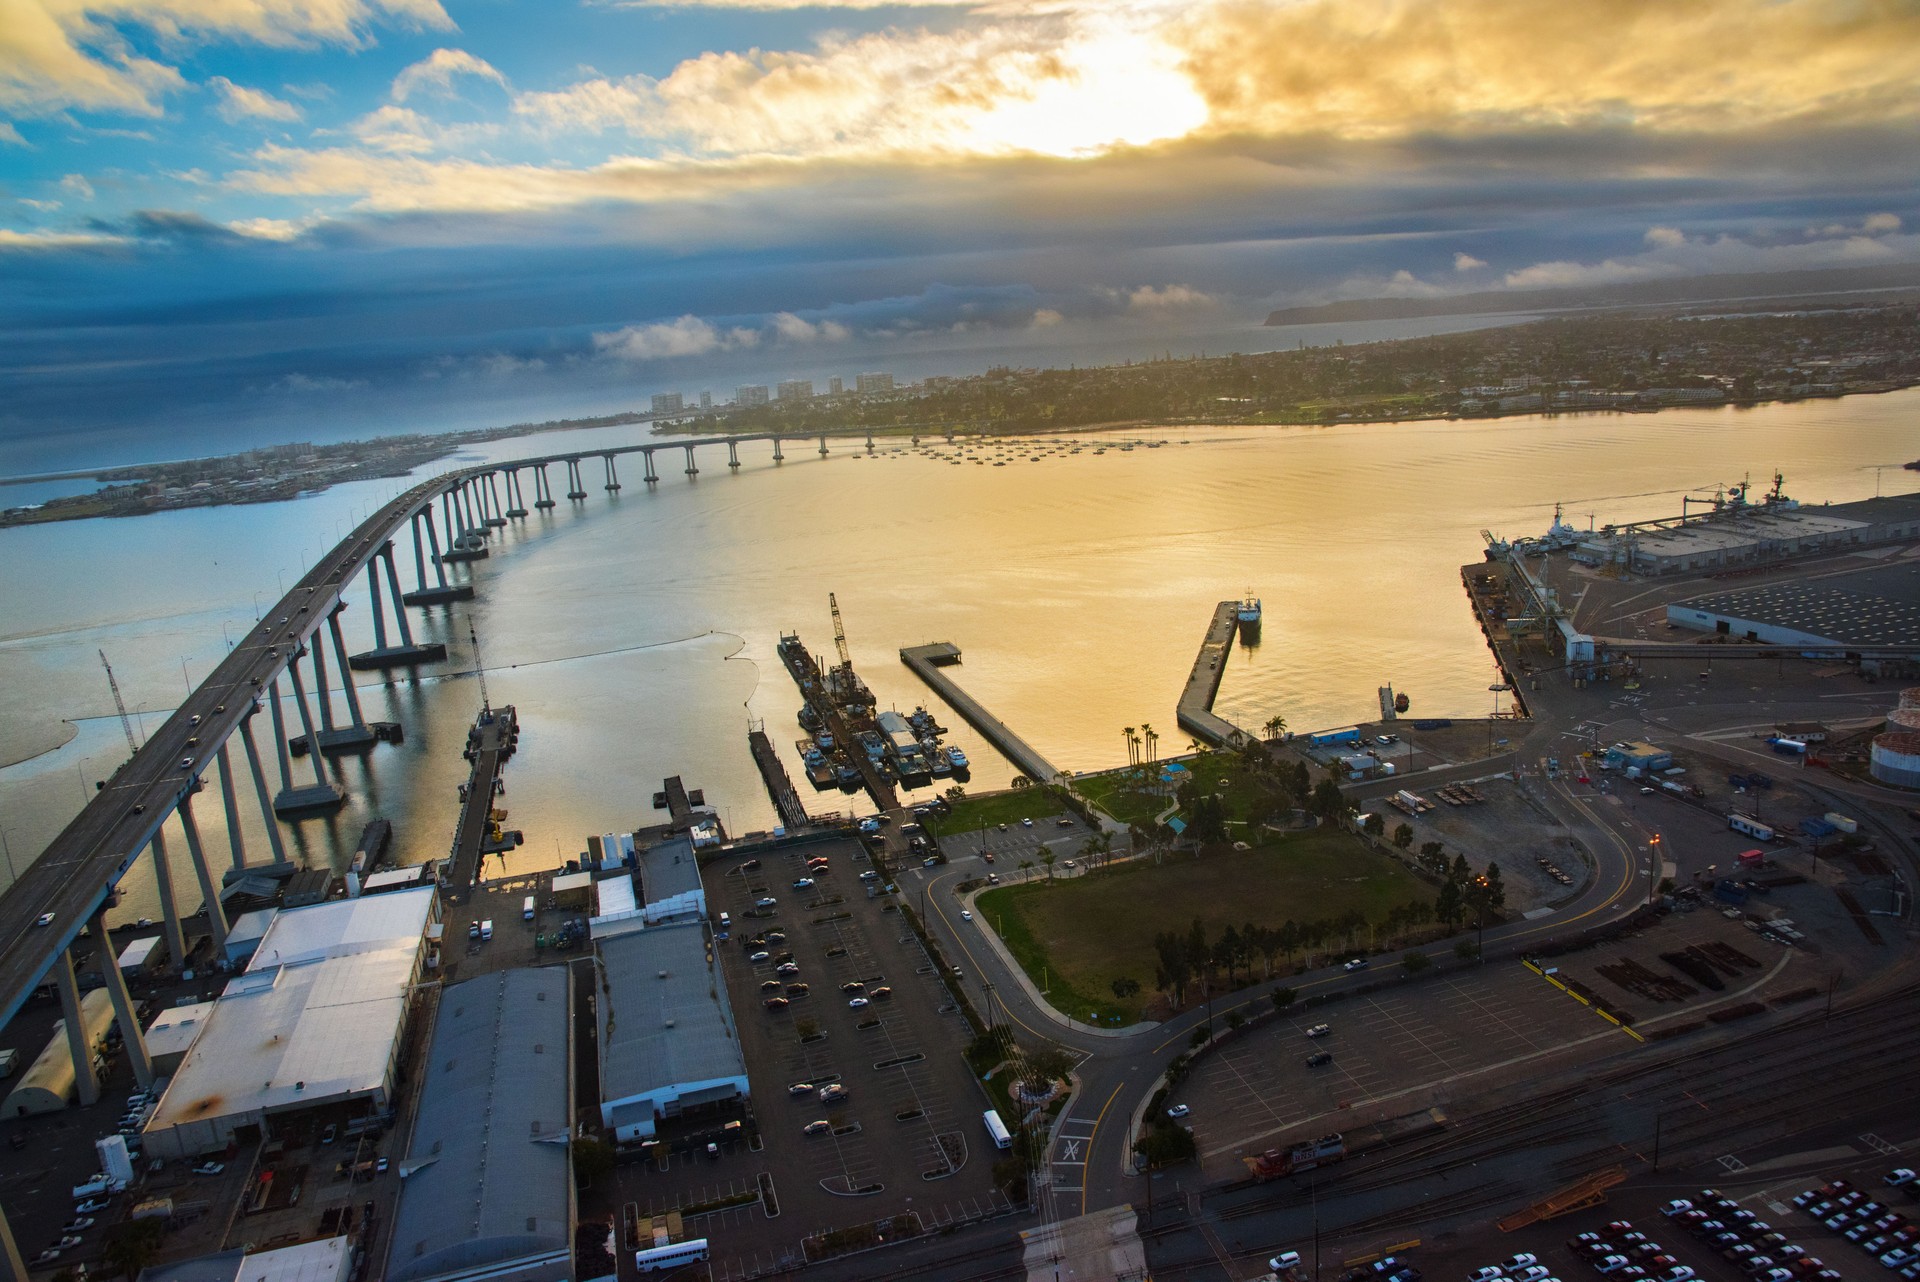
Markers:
786,801
926,662
1196,715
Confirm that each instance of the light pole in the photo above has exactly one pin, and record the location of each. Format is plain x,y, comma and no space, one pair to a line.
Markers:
1653,866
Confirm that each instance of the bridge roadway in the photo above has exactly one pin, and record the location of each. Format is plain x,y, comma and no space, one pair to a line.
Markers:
78,870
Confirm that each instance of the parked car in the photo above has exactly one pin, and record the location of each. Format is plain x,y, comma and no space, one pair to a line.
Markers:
209,1168
1319,1030
856,1003
1178,1110
1319,1059
820,1127
1358,963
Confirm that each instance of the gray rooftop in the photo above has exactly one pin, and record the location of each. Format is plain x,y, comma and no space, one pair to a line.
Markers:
668,869
487,1178
664,1014
223,1266
1832,613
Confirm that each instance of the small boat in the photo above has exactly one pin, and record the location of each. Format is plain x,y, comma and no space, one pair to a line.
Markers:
1400,703
942,764
1248,616
957,757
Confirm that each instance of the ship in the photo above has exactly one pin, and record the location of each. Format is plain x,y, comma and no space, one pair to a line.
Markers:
958,758
1248,616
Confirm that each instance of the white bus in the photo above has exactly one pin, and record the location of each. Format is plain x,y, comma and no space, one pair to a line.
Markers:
997,1129
655,1259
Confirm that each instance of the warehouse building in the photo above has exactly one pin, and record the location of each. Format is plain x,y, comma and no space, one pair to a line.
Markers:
670,882
49,1083
317,1019
1771,532
487,1184
1819,616
668,1045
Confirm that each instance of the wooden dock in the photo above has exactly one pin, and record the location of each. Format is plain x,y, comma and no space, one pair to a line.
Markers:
786,801
1196,714
926,662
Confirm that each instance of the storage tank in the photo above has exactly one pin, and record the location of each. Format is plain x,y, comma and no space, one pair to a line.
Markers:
1904,719
1895,758
49,1084
1910,697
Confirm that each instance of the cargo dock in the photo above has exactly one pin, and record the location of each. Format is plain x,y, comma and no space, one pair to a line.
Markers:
1196,714
926,662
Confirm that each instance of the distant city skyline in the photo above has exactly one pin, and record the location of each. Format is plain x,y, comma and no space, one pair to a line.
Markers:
275,219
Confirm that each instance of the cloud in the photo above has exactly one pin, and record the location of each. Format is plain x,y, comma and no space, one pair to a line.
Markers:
53,240
1672,252
1563,272
789,328
77,185
1465,262
1148,299
9,134
1402,68
687,336
1060,86
436,73
238,102
1046,318
305,383
1872,225
59,54
1665,237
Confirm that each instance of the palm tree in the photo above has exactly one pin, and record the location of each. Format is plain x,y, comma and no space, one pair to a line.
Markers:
1153,743
1132,743
1276,726
1048,859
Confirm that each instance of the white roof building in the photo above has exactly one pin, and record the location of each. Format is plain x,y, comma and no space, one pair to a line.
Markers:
317,1018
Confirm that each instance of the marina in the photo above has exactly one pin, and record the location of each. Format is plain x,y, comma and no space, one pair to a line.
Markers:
793,815
839,726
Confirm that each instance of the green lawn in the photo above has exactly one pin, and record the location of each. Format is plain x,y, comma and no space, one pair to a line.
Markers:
1077,936
971,814
1132,794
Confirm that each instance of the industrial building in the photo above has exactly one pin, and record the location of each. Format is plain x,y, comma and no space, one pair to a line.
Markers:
317,1018
172,1034
667,1043
670,882
321,1260
245,934
487,1187
1805,615
1738,533
1639,756
49,1083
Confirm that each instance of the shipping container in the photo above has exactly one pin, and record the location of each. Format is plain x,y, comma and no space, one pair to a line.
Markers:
1749,825
1841,822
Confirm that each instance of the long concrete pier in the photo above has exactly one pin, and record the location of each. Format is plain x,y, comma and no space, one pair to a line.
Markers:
489,743
926,662
1196,714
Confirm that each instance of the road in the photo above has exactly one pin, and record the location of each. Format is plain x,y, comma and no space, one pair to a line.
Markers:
1089,1156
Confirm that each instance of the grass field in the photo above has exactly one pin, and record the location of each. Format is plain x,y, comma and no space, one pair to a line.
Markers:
1077,936
971,814
1131,794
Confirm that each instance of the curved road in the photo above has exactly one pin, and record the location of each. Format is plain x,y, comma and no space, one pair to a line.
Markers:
1092,1140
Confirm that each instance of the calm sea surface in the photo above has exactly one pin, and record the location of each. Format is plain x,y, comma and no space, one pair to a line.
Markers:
637,634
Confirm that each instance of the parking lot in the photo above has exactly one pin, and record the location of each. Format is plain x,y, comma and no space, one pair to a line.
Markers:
1732,1230
1013,845
906,1139
1392,1052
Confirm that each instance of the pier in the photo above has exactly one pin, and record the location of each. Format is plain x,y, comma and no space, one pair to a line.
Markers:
1196,714
926,662
489,744
786,801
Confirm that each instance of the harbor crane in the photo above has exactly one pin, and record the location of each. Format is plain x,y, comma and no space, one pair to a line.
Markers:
839,633
126,722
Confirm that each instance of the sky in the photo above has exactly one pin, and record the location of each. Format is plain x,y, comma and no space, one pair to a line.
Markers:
232,221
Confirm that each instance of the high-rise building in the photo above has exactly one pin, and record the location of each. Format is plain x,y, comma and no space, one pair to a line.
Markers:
706,400
869,383
754,394
667,403
796,389
836,385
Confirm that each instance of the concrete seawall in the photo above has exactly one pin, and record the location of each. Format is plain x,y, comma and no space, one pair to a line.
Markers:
1196,715
926,662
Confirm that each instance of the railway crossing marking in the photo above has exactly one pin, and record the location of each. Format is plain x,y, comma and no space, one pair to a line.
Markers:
1732,1163
1879,1145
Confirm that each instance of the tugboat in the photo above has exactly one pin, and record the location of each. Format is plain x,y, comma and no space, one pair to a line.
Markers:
1248,616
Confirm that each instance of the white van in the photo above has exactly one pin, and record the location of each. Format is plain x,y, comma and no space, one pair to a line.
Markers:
486,929
526,909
